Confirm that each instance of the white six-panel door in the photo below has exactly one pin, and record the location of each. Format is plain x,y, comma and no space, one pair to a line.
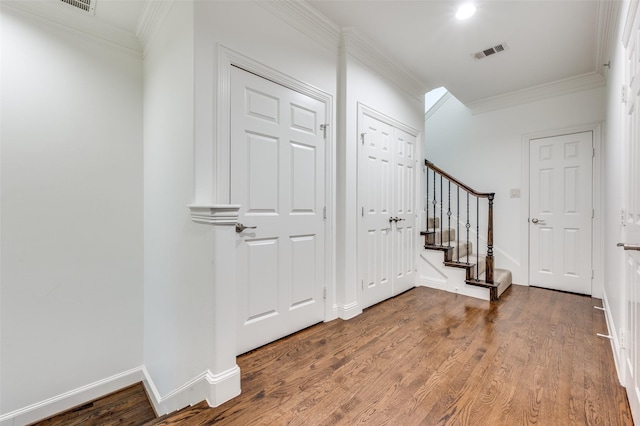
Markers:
631,220
560,212
277,176
386,194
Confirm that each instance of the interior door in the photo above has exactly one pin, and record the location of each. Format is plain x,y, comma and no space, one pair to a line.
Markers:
386,191
404,191
561,212
277,176
631,222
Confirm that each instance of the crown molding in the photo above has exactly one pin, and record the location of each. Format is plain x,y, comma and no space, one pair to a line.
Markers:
629,19
152,17
356,45
607,23
305,19
544,91
61,16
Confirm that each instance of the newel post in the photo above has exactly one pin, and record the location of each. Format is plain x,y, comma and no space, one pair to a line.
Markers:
489,259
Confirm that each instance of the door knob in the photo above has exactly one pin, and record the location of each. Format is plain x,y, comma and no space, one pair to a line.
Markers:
629,246
240,227
534,220
392,219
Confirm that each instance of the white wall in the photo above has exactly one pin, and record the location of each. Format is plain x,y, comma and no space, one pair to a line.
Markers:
71,208
613,150
485,151
182,338
177,281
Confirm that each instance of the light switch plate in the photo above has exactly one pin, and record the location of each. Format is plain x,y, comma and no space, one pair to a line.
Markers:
515,193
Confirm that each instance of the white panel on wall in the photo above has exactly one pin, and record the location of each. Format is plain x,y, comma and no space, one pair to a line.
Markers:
303,173
303,119
262,106
571,247
262,298
263,179
303,265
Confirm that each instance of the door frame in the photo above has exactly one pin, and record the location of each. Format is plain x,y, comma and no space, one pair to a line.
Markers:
597,239
226,58
364,109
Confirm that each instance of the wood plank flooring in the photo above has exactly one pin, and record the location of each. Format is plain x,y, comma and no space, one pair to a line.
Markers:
429,357
128,406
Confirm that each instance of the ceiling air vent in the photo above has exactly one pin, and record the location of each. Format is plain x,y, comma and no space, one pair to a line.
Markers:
88,6
490,51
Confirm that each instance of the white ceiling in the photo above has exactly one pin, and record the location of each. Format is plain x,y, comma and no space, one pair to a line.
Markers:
548,40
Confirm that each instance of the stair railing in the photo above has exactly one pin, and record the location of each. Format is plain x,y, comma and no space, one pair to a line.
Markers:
436,177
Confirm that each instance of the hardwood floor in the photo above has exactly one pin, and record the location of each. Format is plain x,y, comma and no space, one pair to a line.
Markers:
428,357
129,406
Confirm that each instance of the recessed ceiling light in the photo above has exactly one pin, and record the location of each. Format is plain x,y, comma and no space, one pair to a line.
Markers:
465,11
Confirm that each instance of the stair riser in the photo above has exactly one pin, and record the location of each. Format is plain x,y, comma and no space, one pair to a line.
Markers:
440,237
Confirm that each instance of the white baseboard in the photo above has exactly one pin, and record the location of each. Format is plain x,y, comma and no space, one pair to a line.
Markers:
73,398
615,338
348,311
214,388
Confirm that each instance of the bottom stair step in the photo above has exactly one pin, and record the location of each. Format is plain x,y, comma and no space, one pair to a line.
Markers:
501,281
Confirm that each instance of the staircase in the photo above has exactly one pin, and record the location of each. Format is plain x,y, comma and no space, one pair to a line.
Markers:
449,261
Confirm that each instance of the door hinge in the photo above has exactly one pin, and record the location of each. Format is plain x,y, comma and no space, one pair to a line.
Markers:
362,211
362,137
593,213
621,339
323,127
592,274
324,293
593,154
324,212
362,284
623,94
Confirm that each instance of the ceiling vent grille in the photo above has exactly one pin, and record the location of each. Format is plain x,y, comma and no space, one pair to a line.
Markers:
88,6
490,51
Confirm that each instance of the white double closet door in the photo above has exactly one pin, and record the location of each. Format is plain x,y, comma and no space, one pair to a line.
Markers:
277,177
387,236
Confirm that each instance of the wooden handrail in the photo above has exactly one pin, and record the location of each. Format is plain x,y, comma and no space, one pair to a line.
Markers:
470,190
489,270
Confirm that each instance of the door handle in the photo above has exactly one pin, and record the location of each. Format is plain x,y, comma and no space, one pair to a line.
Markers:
240,227
534,220
395,219
629,246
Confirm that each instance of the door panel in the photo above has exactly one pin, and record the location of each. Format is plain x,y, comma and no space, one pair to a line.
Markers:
378,174
277,153
561,212
386,188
